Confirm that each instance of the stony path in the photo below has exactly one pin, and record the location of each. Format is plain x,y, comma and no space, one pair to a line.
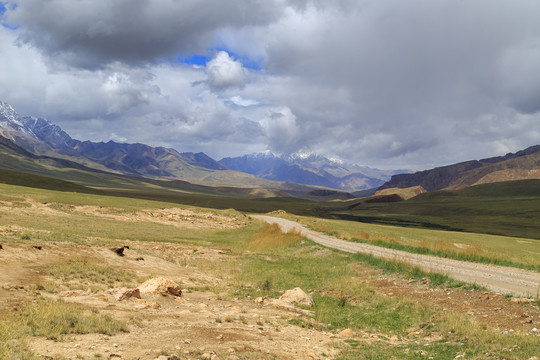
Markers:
497,278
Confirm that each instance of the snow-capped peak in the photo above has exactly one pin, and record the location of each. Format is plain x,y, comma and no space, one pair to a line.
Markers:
336,160
10,119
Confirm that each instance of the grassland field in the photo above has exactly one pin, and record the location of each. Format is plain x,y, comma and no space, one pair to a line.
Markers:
264,262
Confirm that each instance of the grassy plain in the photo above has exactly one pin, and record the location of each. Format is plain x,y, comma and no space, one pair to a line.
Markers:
262,262
506,208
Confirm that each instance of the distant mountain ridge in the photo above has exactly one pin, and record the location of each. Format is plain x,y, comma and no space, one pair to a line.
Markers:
41,137
524,164
309,169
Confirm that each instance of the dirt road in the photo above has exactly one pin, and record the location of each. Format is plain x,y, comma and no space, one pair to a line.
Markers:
497,278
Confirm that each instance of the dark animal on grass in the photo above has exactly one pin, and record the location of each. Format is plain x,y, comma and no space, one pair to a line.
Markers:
120,251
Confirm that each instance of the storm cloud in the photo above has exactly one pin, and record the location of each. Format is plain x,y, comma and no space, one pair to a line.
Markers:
383,83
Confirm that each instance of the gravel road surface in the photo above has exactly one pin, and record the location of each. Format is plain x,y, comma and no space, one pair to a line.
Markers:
497,278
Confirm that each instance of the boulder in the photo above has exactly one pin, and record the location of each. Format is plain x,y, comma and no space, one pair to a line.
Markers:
160,285
285,305
297,296
124,293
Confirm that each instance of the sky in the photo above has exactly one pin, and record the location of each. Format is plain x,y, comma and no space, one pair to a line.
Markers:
384,83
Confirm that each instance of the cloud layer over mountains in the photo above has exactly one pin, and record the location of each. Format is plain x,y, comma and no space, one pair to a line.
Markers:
382,83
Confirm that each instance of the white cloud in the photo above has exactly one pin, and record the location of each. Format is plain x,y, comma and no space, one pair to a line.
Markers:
223,71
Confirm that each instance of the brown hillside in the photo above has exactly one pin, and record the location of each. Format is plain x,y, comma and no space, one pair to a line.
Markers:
521,168
405,193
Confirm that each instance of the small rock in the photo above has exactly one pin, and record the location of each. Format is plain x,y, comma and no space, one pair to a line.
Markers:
346,333
70,293
37,247
180,299
521,300
284,305
143,304
126,293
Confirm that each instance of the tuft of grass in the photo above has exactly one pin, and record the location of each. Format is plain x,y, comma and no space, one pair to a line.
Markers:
89,273
50,319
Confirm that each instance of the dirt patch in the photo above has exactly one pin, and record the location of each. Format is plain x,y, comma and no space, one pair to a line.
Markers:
200,322
487,307
169,216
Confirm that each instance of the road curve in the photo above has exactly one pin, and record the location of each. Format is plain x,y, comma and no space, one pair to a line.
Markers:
497,278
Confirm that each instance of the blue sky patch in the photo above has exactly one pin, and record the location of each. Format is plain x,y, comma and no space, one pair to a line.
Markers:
200,60
3,8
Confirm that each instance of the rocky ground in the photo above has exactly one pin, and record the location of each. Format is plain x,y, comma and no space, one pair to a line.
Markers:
201,324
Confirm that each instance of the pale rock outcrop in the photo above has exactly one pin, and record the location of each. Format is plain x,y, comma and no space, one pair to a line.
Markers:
297,296
160,285
283,305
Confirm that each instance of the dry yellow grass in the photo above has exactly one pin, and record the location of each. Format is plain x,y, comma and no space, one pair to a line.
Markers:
271,236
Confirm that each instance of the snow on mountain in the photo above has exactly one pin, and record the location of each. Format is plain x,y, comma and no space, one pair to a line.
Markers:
308,168
10,120
46,131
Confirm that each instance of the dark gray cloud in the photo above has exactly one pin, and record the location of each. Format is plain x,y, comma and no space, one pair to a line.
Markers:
94,33
383,83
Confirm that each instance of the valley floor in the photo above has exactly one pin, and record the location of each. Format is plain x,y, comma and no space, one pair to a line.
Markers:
229,267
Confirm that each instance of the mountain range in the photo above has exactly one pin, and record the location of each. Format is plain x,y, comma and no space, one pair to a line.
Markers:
524,164
41,137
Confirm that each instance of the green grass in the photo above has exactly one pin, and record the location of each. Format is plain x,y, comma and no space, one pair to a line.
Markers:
506,208
50,319
492,249
77,274
344,300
